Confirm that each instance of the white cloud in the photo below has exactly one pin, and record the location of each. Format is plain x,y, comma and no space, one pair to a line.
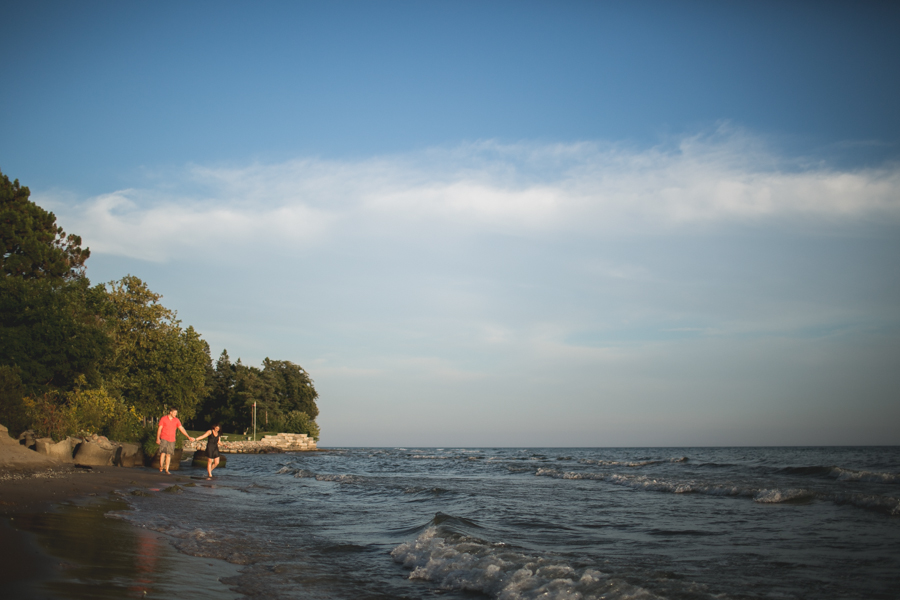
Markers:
485,187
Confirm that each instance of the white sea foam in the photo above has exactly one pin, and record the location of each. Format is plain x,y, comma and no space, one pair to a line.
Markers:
842,474
464,563
339,478
636,463
778,496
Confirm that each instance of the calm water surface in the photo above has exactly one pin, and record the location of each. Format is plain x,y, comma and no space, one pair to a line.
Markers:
680,523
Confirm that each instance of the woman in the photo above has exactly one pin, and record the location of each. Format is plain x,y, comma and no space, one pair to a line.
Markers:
212,449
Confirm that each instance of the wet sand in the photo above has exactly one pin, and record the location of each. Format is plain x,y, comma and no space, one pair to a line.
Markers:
56,542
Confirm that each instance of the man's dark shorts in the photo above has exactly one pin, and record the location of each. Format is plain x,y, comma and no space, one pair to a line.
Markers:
166,447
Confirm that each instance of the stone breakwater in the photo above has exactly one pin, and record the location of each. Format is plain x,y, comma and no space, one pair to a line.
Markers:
281,442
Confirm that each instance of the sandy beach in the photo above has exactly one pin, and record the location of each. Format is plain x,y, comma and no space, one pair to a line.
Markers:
56,540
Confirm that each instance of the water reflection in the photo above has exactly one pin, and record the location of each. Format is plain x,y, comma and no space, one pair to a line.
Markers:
100,557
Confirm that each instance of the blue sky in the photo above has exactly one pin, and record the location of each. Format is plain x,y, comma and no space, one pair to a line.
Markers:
523,223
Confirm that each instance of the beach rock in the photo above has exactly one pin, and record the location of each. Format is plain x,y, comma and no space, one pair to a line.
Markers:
15,456
174,464
27,439
60,450
92,453
128,454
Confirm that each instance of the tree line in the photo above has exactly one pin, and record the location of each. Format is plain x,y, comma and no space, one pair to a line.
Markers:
78,358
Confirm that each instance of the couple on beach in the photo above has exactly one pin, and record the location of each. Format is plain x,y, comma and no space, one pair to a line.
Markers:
165,437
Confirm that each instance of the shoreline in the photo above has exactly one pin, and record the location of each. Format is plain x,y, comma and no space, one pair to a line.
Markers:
54,537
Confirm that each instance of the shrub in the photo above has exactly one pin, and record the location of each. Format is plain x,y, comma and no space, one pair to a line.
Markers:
125,425
298,421
49,415
92,410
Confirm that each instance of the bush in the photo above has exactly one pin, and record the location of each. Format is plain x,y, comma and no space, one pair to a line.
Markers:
49,415
298,421
125,425
92,410
148,440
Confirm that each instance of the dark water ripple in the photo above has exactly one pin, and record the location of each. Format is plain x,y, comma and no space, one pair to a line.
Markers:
521,524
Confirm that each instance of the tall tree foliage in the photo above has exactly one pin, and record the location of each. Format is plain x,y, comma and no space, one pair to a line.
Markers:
32,245
52,327
283,391
53,331
155,363
291,387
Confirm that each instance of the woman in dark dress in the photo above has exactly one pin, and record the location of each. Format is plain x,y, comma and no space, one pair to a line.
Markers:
212,448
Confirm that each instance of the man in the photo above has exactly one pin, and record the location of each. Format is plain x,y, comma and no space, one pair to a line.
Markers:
165,437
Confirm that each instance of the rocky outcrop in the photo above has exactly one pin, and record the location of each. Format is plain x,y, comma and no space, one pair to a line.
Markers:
63,450
17,456
95,453
129,455
281,442
27,439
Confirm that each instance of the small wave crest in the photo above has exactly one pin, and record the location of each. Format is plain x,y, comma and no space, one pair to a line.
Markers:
339,478
458,562
765,496
783,496
842,474
634,463
884,504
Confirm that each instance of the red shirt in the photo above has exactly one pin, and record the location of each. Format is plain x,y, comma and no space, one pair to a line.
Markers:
169,427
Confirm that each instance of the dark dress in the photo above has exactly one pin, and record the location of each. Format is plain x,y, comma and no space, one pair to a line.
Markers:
212,446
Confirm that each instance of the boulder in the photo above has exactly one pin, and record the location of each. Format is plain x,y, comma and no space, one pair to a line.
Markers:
174,463
60,450
128,454
27,439
16,456
93,454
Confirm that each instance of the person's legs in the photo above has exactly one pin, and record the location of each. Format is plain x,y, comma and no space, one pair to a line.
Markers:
165,458
215,463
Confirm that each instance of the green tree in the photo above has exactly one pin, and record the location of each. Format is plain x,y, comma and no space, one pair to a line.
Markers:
249,387
13,412
156,364
292,387
297,421
53,330
217,405
32,245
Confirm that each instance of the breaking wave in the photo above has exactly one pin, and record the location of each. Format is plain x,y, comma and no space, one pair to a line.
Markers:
842,474
455,561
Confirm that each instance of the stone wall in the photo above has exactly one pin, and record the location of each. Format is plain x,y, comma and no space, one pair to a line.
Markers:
282,442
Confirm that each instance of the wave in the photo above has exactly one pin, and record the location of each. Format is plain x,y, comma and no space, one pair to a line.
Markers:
637,463
883,504
307,474
455,561
842,474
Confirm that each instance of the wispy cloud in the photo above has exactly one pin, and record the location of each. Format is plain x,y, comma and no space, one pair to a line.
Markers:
525,189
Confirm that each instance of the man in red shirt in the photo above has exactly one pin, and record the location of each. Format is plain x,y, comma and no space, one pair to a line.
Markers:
165,437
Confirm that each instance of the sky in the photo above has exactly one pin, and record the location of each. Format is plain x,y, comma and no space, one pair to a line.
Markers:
495,223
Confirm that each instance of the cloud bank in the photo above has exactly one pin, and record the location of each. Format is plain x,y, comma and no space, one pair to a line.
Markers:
483,188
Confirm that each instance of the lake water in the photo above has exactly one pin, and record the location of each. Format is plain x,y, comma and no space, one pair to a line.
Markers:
679,523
